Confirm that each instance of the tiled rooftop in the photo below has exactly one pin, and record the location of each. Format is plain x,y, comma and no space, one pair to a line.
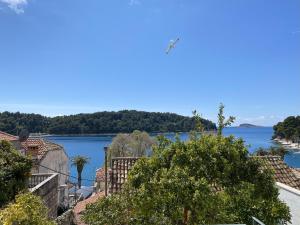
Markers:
80,207
282,172
7,137
296,172
43,146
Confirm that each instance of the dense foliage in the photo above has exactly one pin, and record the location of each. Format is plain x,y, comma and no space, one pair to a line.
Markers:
101,122
206,180
14,171
27,209
275,151
289,129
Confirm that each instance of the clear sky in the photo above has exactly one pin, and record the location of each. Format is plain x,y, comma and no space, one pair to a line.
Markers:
64,57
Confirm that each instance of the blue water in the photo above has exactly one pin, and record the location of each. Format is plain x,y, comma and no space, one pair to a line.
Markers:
92,147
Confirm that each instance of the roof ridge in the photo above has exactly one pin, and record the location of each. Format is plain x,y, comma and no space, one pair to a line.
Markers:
7,134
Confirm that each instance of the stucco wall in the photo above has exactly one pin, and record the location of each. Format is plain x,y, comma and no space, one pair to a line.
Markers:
58,161
291,197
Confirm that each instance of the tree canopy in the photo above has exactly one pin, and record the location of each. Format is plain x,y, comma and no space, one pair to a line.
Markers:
289,129
134,144
14,172
206,180
27,209
125,121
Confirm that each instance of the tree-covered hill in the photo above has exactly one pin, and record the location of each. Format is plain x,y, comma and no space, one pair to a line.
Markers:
289,129
99,122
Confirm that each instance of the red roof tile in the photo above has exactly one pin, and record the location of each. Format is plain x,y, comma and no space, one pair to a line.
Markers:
7,137
81,206
282,172
43,146
100,174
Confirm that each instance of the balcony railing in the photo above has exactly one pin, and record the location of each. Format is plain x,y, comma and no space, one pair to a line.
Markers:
36,179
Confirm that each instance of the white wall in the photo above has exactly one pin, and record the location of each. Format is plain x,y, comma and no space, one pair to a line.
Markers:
291,197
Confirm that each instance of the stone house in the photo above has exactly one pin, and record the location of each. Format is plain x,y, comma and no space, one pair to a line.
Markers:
47,157
12,139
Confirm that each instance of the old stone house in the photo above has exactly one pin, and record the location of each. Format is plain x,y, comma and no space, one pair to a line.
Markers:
47,157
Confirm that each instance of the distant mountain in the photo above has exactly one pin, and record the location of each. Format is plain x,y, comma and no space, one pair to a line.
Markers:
100,122
247,125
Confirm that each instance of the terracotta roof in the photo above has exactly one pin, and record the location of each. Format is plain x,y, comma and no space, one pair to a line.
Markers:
43,146
296,172
100,174
7,137
282,172
81,206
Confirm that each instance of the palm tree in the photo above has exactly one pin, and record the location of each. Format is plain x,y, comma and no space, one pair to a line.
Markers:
79,162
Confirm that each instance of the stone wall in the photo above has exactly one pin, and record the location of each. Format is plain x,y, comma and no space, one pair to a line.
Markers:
67,218
48,191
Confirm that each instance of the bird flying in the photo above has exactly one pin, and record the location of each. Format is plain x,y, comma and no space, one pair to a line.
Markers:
172,45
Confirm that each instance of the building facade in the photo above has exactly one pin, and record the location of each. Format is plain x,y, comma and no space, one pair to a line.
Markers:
47,157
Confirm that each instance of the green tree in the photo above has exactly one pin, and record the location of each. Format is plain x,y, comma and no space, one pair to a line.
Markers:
124,121
222,122
14,172
279,151
134,144
209,180
199,126
112,210
27,209
288,129
79,162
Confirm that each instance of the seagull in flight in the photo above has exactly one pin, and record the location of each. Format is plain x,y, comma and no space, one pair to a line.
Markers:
172,45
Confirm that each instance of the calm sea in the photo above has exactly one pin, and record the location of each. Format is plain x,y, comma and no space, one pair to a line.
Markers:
92,147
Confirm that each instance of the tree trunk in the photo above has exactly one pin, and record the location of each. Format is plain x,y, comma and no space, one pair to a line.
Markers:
185,216
79,180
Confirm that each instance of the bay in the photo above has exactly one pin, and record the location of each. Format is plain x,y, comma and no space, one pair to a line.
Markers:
92,147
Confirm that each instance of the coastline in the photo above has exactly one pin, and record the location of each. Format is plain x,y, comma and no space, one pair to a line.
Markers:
288,144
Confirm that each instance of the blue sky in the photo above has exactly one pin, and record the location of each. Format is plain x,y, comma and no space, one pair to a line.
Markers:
64,57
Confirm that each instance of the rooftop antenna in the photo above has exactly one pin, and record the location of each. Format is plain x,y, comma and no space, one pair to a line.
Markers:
23,135
172,45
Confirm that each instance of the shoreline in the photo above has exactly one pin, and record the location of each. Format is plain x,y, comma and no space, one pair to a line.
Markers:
288,144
